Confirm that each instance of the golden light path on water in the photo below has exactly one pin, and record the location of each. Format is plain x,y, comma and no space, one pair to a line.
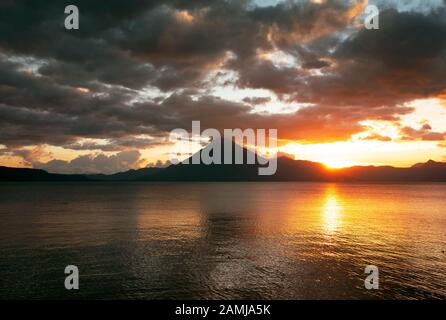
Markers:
224,240
332,210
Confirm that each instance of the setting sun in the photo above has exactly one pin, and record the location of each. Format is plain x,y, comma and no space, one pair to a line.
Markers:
337,163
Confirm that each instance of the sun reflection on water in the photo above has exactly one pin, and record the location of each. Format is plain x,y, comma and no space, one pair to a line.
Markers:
331,210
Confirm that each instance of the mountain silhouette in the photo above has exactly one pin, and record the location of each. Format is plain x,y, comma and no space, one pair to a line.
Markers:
130,175
195,169
287,170
25,174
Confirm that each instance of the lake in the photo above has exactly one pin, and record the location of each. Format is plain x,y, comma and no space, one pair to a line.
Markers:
222,240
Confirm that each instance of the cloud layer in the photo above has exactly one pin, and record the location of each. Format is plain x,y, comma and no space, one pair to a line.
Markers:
137,69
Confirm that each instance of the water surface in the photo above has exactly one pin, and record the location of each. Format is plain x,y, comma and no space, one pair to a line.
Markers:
222,240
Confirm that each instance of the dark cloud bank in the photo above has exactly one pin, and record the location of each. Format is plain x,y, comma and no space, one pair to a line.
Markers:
142,68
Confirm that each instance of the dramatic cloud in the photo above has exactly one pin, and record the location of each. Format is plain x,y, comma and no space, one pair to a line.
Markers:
375,136
137,69
425,133
95,163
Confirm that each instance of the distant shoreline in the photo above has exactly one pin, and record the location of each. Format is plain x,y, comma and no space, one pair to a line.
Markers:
288,171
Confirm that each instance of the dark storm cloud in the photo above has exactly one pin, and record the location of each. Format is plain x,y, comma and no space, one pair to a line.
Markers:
134,43
295,21
57,86
264,74
217,113
402,61
120,48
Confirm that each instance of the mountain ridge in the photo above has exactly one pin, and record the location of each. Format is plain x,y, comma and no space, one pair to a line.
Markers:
287,170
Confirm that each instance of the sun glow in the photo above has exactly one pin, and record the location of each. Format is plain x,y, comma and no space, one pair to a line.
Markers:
337,163
332,155
184,16
366,153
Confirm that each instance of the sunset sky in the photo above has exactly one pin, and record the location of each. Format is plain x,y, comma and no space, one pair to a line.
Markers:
105,97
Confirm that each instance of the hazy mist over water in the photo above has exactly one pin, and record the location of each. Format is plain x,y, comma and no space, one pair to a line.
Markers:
222,240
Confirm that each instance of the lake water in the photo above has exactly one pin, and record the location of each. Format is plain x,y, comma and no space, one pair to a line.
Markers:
222,240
